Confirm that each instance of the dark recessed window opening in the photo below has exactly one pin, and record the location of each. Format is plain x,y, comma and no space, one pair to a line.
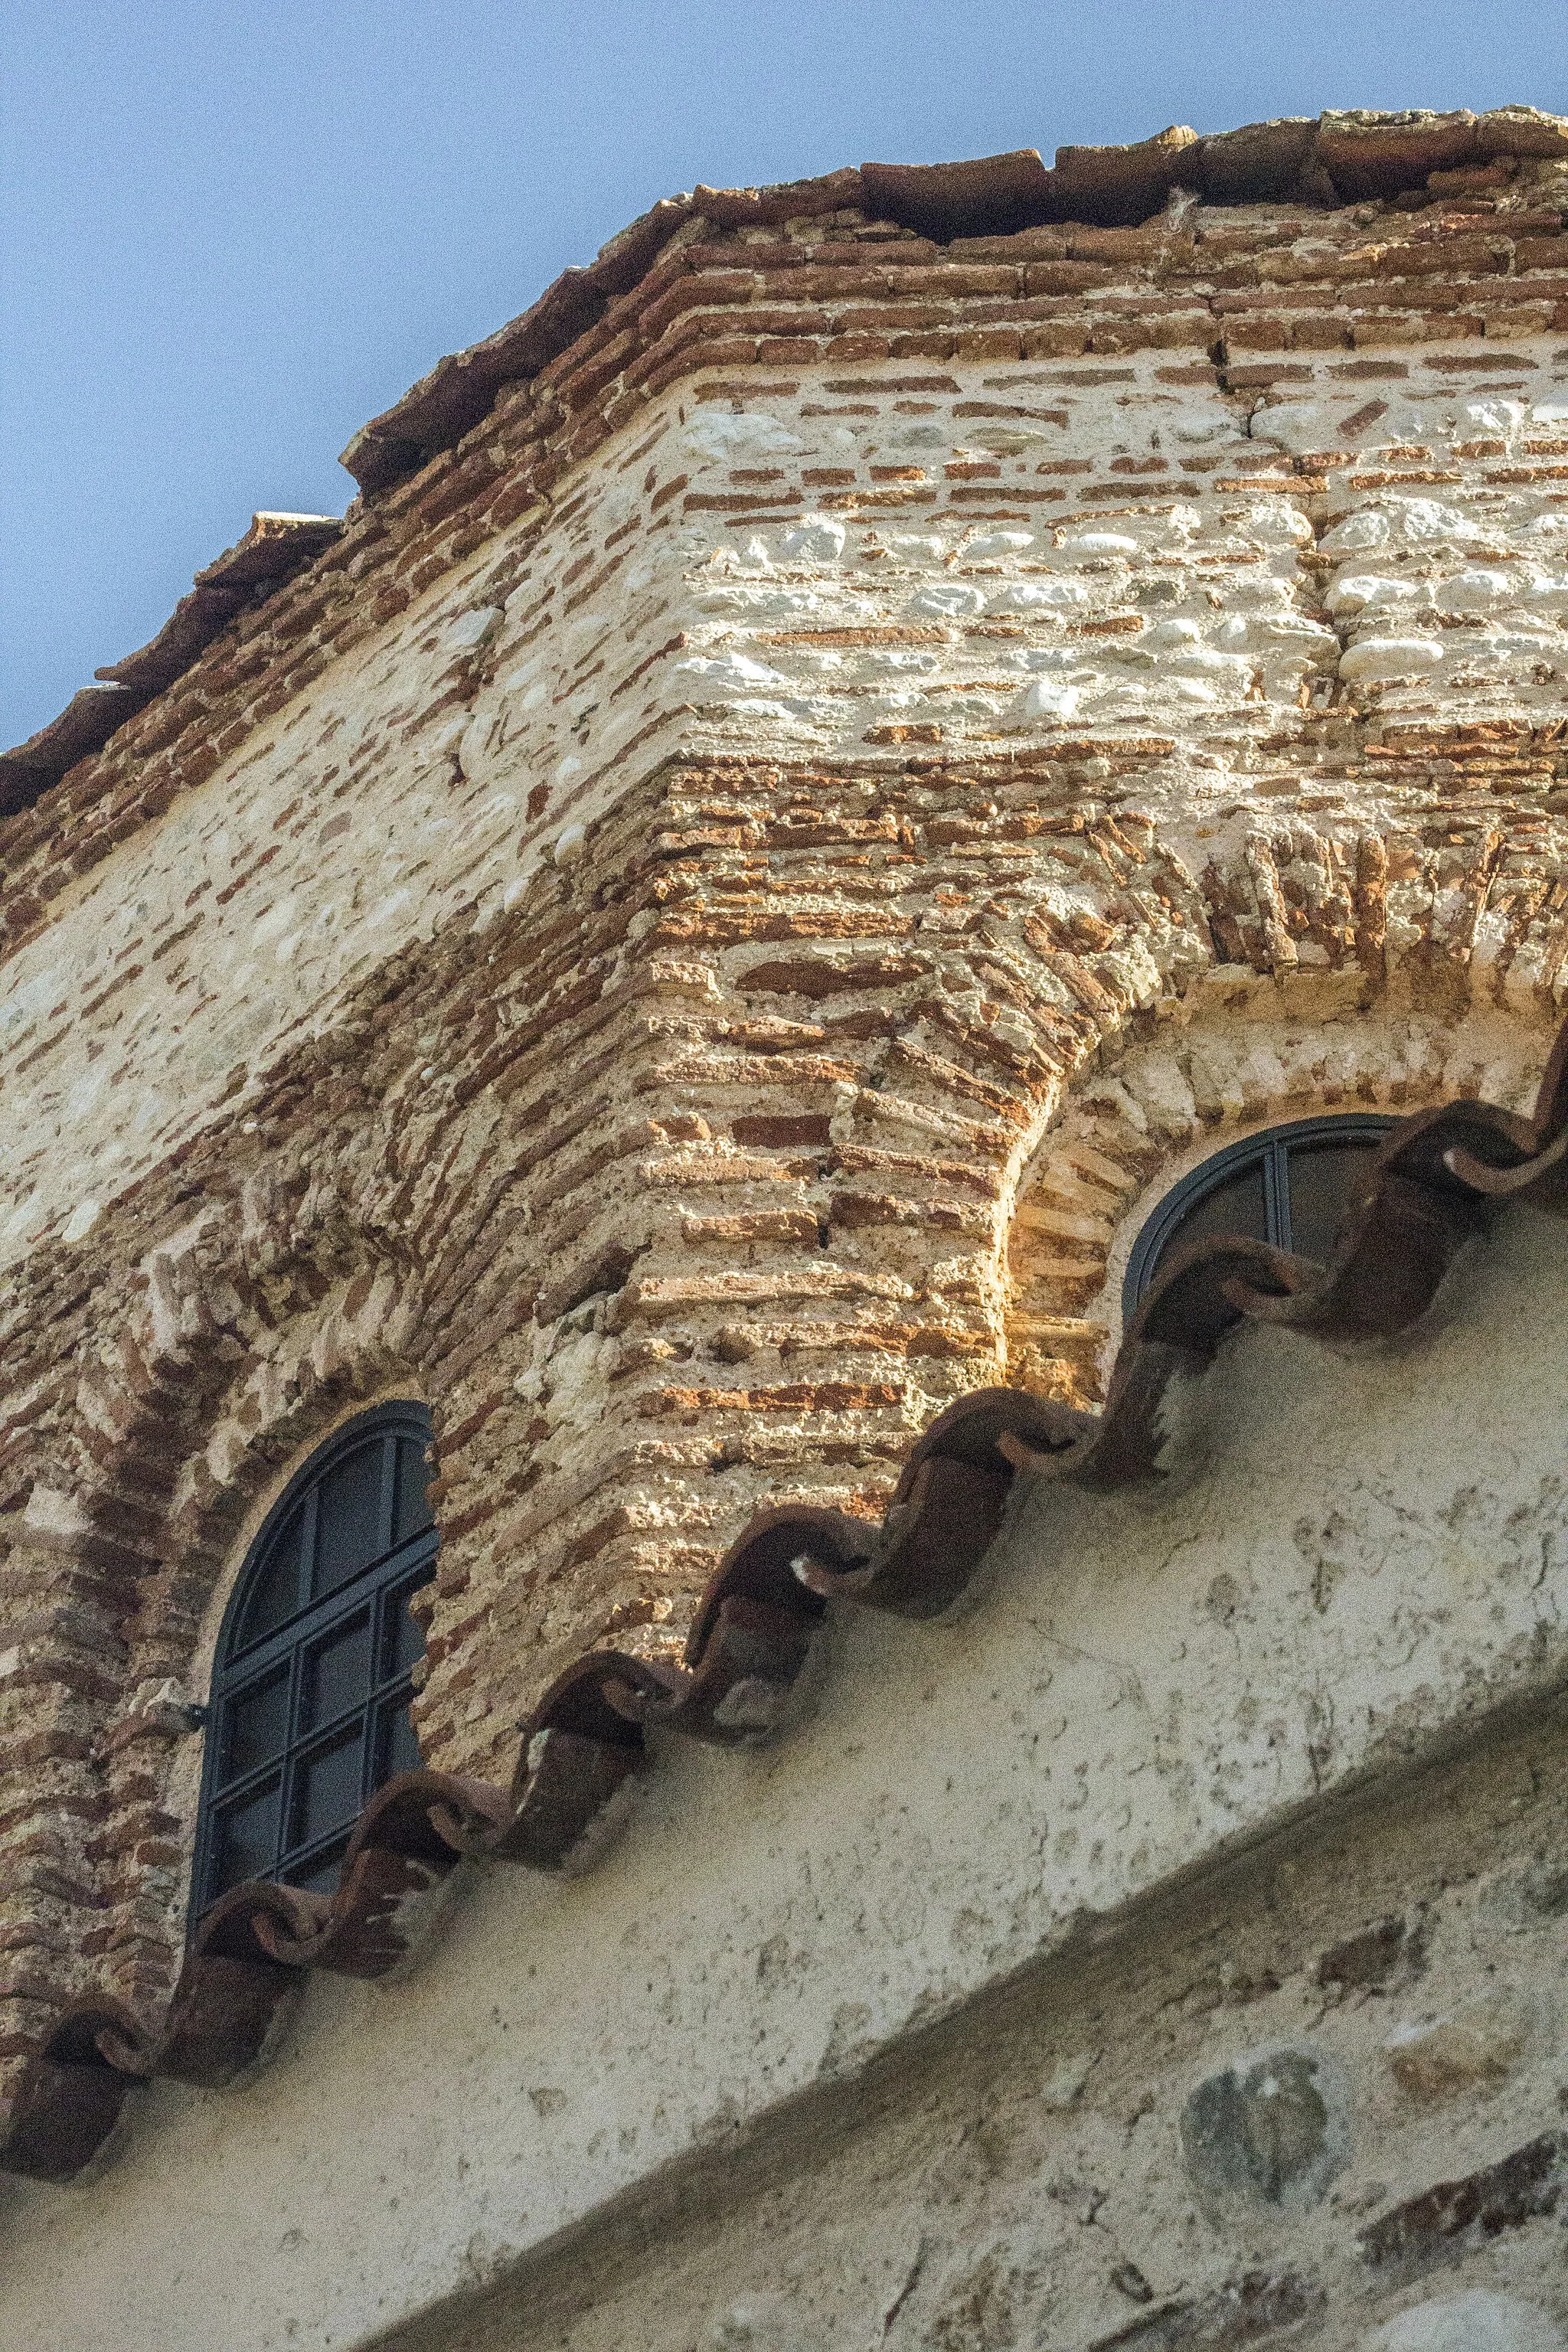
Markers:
1290,1185
314,1677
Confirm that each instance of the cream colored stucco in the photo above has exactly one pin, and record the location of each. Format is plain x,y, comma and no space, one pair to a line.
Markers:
1358,1565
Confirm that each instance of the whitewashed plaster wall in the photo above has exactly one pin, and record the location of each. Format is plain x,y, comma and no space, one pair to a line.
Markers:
1360,1560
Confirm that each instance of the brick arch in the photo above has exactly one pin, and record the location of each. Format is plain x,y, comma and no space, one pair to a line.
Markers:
866,1080
222,1352
330,1360
1244,1052
329,1275
210,1370
1345,966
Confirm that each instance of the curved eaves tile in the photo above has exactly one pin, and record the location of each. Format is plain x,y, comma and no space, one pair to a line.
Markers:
1431,1186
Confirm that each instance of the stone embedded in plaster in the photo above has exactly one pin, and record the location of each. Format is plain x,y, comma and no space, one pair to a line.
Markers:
80,1221
1474,2048
1475,2321
1451,2217
1064,2086
1393,1945
1272,2129
475,627
758,2323
1376,658
1524,1896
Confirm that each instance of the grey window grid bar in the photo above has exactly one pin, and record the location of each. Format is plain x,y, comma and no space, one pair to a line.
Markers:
1273,1148
380,1590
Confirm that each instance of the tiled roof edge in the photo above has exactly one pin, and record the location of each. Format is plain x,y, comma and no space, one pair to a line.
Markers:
1323,159
272,551
1430,1187
1328,159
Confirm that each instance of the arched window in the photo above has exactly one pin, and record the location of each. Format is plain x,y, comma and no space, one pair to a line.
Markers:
310,1689
1291,1186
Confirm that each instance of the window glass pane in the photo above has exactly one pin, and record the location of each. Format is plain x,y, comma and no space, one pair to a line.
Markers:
258,1726
329,1594
321,1875
274,1589
1238,1205
1321,1175
327,1790
247,1839
413,1478
402,1640
399,1748
348,1517
337,1672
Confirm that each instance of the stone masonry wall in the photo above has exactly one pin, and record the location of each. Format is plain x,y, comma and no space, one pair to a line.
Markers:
1316,2104
690,935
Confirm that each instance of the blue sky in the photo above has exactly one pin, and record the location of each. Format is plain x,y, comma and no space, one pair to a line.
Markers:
232,232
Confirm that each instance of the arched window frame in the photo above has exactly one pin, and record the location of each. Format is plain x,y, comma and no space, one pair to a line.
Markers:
1272,1145
308,1656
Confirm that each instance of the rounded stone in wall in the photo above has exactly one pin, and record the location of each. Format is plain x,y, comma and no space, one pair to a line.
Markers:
753,2323
1477,2321
1529,1896
1272,2129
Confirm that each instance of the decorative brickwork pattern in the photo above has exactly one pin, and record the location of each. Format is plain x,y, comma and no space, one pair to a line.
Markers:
1426,1194
688,935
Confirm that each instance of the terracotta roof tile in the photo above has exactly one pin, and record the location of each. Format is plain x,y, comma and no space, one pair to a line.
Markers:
1333,159
272,551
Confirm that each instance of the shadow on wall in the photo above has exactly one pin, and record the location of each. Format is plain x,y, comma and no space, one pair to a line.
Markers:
1430,1188
1160,1108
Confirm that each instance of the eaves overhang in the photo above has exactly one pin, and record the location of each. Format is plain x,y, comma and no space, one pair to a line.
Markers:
1318,162
1433,1185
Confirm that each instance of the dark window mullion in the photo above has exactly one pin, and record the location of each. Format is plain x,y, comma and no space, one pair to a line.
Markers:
1277,1194
389,1684
308,1545
294,1742
253,1664
367,1746
319,1735
380,1589
416,1552
303,1627
387,1603
201,1866
289,1847
388,1505
305,1848
303,1754
243,1784
397,1684
310,1850
1272,1153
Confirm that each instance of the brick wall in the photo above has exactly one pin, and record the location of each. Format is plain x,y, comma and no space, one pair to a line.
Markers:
692,934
